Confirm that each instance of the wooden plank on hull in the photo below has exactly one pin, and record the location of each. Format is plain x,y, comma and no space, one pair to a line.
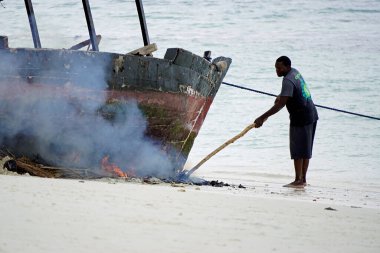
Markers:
147,50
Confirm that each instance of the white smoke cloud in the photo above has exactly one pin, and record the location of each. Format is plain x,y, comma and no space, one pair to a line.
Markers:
74,126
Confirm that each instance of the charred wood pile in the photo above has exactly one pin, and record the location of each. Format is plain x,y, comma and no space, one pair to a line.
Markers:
23,165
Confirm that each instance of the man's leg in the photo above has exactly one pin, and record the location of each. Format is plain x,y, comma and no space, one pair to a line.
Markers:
298,165
305,166
298,181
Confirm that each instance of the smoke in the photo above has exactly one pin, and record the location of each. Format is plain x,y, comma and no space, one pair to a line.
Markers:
72,126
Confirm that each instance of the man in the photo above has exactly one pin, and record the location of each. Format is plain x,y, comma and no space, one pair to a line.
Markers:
303,117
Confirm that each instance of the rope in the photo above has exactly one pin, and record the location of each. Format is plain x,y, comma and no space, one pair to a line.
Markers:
321,106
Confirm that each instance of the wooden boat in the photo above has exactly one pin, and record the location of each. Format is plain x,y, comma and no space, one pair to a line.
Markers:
173,94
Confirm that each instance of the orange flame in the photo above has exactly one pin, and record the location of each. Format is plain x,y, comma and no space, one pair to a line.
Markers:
112,168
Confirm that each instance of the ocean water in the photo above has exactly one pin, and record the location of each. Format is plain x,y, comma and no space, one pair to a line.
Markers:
334,44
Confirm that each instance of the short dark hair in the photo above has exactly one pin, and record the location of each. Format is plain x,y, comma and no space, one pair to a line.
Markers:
285,60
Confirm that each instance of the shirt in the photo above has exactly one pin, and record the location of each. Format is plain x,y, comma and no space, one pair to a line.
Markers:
301,108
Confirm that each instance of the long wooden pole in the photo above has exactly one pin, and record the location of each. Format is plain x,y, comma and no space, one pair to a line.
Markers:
232,140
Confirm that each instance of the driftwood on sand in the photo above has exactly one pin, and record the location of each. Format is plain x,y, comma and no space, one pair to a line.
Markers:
24,165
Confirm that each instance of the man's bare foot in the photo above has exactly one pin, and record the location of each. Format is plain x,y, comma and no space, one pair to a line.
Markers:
295,184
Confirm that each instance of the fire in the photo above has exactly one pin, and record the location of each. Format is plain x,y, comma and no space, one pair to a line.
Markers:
112,168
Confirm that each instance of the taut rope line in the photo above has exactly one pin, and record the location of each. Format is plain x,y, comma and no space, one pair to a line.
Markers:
321,106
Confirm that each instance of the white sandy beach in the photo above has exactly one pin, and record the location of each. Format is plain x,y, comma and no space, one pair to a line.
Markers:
56,215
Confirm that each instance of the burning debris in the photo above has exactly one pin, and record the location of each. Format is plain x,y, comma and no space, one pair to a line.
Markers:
24,166
107,169
217,183
112,168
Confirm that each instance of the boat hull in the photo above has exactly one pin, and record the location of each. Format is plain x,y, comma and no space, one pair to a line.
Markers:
173,95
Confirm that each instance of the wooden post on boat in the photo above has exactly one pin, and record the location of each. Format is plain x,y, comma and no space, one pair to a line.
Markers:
144,28
33,24
90,25
232,140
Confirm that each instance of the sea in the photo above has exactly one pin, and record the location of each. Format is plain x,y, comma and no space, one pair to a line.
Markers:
335,44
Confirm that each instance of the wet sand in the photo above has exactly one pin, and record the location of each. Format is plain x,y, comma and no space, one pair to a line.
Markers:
56,215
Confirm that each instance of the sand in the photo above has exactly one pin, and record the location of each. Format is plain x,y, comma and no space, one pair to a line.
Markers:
58,215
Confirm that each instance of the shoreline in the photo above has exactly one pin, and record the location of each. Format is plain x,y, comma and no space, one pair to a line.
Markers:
319,189
67,215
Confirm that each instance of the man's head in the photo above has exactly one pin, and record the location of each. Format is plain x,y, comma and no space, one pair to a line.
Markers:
283,66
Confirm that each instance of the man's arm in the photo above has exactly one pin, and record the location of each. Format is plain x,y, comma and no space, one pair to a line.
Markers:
278,105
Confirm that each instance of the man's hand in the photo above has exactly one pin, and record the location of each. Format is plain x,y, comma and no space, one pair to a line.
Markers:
259,122
279,103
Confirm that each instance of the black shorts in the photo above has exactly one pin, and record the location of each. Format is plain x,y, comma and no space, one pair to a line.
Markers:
301,141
